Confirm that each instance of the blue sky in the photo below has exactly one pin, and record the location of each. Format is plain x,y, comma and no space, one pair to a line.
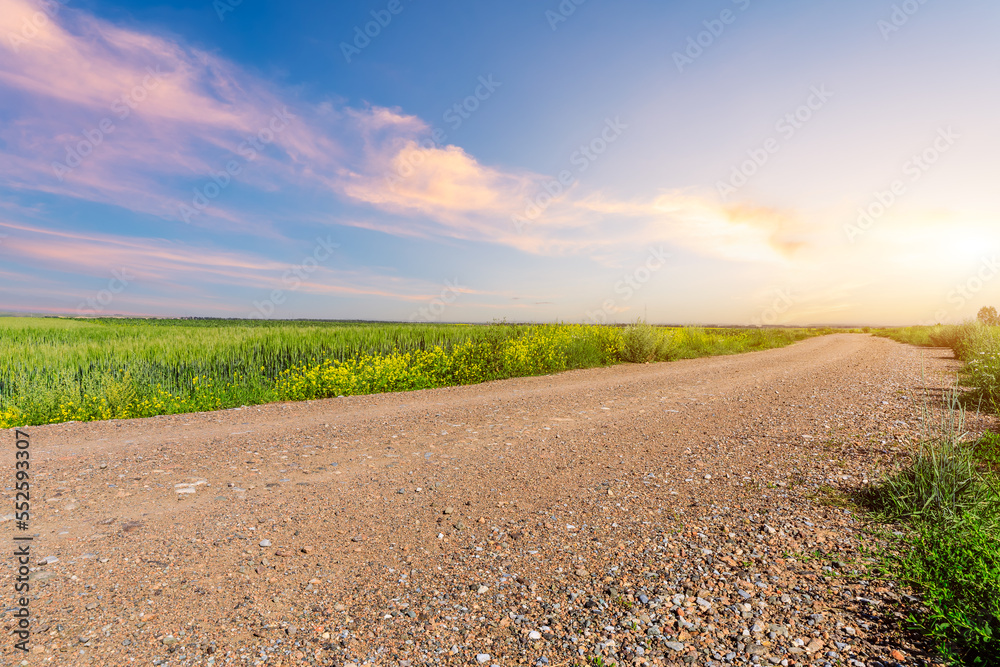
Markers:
714,162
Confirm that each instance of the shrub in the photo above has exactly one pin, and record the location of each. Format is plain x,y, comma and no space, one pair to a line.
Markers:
639,343
668,346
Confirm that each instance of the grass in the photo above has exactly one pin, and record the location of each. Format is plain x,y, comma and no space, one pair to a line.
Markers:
56,370
948,499
597,661
988,450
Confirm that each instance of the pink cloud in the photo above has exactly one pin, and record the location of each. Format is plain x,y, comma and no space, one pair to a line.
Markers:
178,268
127,118
161,123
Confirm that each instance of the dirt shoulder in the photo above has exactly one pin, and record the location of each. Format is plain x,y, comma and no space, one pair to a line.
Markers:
678,513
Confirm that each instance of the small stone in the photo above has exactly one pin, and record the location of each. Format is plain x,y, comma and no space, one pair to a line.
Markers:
581,572
451,510
534,635
482,589
814,646
483,658
676,646
265,543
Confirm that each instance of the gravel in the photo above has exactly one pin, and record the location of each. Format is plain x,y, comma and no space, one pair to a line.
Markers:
660,514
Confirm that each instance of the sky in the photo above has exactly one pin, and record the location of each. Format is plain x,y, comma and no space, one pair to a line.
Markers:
718,162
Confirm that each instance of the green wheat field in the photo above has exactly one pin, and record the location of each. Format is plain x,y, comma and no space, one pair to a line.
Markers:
59,369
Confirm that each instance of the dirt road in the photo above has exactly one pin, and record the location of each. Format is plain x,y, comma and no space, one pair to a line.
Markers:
678,513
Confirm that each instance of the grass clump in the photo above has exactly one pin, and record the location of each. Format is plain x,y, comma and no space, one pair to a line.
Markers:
640,342
949,502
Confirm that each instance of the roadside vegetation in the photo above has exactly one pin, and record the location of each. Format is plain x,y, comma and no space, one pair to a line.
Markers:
56,370
947,499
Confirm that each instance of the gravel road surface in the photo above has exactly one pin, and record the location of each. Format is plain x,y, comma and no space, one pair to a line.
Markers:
685,513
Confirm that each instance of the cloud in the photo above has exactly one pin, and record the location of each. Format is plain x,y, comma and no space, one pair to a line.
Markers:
131,119
175,269
705,226
143,122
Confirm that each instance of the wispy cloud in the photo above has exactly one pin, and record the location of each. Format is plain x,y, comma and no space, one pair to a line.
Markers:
173,267
160,122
